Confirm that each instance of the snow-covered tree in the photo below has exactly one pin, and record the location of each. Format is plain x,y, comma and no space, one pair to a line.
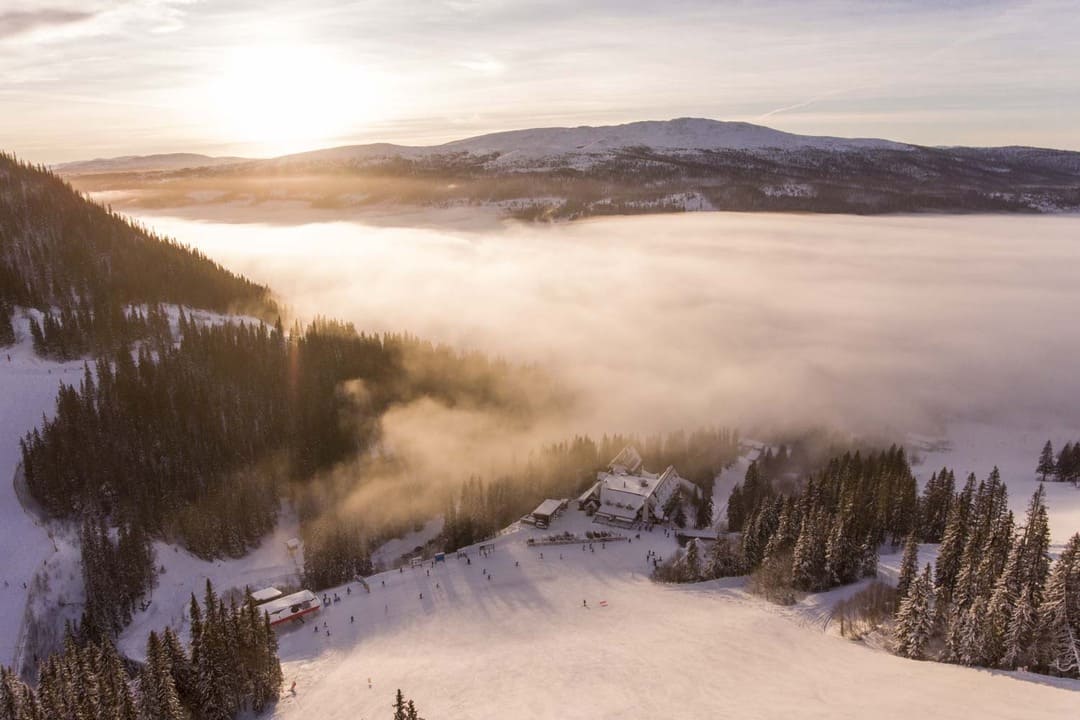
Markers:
909,566
914,618
1059,616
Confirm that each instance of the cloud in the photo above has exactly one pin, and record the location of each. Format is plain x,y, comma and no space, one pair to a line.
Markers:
21,21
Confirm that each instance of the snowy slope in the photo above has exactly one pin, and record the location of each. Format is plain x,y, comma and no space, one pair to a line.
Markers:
183,574
522,645
28,387
559,143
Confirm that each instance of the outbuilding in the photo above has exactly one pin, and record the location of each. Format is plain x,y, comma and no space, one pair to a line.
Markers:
546,512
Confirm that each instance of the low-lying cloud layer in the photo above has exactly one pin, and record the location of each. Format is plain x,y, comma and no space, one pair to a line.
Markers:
865,324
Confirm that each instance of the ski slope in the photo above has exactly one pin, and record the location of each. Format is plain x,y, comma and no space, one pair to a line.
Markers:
522,645
28,388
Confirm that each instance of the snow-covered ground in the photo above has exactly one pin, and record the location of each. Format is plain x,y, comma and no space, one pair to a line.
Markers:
270,564
1014,448
390,551
523,645
28,387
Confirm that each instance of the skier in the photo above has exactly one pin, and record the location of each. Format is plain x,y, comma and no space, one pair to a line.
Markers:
351,619
421,596
292,688
584,603
348,590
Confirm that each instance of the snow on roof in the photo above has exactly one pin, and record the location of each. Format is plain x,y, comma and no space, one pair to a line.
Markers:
266,594
642,485
628,460
592,489
547,508
284,604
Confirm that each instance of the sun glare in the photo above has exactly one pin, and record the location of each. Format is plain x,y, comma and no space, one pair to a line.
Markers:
289,98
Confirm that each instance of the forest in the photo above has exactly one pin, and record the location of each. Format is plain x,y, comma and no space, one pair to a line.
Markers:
992,598
229,668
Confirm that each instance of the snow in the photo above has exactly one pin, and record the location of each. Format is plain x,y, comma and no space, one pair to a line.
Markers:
516,147
387,554
523,645
28,387
183,574
1014,447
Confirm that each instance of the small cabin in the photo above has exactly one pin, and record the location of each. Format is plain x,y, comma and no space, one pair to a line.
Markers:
291,607
546,512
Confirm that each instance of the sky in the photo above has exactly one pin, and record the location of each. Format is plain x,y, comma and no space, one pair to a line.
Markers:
81,79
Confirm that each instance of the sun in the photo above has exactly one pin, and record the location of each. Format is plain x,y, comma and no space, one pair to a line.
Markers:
287,98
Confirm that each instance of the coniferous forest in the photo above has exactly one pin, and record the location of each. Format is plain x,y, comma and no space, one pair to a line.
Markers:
230,666
992,598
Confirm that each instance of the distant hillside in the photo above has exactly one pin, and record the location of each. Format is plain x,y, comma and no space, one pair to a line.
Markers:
642,167
56,246
144,163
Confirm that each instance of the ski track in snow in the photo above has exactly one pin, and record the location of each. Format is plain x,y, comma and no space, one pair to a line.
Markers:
522,645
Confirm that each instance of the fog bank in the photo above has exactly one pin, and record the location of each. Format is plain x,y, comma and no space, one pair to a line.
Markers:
864,323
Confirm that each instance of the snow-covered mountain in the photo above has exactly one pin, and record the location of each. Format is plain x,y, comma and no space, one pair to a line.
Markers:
573,144
640,167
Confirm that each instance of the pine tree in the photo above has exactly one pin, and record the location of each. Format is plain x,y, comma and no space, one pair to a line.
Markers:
1046,464
400,712
692,561
158,699
7,330
909,566
1059,616
953,541
914,618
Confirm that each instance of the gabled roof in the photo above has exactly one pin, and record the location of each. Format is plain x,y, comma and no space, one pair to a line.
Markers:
628,461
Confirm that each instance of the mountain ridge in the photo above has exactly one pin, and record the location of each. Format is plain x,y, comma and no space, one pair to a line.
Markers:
647,166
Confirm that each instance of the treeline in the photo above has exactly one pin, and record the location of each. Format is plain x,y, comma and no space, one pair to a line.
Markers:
231,669
1065,467
825,534
81,328
199,440
58,250
992,599
7,325
115,576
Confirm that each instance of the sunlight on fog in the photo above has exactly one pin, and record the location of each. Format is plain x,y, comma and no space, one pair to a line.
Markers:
667,321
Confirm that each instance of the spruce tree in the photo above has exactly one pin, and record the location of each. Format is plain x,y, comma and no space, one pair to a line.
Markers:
7,330
692,561
909,566
1046,464
400,712
1059,616
914,618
